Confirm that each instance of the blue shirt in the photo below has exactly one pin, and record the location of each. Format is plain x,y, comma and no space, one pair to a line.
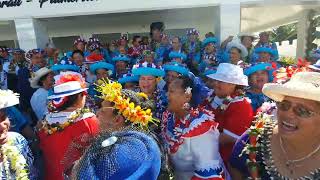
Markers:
39,103
17,120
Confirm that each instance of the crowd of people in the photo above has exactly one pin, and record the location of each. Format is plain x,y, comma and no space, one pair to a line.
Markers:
159,107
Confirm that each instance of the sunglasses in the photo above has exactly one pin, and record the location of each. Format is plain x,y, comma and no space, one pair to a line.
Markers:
299,110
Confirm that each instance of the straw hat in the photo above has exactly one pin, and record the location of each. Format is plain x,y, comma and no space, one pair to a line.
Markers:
315,66
8,98
37,76
305,85
234,44
230,73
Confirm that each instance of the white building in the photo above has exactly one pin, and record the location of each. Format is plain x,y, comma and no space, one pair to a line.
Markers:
31,23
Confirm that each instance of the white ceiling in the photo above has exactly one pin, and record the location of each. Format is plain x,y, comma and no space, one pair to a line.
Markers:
255,18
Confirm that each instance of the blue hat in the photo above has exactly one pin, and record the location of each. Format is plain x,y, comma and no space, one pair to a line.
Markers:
65,64
173,55
269,50
257,67
121,57
176,67
208,71
18,50
147,69
209,40
127,78
120,155
101,65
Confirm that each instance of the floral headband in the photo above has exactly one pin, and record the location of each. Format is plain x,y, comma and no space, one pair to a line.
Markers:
111,91
33,52
79,40
193,32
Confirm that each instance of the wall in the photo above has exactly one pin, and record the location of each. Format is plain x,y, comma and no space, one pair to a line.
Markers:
137,22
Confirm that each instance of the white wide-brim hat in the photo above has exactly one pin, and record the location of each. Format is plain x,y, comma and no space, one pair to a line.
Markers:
242,48
230,73
8,98
37,76
315,66
242,34
67,89
305,85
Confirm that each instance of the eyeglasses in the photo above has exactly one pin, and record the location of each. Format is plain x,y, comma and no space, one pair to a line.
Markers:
299,110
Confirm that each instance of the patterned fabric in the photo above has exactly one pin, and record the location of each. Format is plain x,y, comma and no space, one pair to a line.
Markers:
256,99
17,120
208,60
192,155
161,102
22,144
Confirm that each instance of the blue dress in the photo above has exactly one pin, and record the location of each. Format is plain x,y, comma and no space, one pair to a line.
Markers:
17,120
257,99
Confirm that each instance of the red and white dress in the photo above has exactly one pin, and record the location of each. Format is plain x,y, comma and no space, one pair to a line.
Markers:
193,144
54,146
234,115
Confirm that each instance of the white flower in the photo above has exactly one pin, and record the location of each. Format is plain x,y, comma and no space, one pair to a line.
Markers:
188,90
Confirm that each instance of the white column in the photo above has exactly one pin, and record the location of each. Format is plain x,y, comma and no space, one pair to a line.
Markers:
302,31
31,33
228,21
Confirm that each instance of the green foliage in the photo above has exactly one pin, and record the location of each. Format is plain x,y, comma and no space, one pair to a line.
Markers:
287,61
284,33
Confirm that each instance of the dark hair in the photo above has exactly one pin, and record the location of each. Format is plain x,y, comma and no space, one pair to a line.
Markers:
177,38
239,51
156,25
43,78
134,39
77,52
138,100
185,83
70,102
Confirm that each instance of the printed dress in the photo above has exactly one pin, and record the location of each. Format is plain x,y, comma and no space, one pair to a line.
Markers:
193,145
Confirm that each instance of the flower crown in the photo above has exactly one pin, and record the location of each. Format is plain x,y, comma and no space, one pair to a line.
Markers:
111,91
192,31
284,74
79,40
68,77
146,64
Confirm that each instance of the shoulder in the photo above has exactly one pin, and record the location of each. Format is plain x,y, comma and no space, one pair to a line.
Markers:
17,139
201,121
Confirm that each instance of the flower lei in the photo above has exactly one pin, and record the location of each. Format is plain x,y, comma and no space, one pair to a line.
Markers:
284,74
255,132
58,127
111,91
18,162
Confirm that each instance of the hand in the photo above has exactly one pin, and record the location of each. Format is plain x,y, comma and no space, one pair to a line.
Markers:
229,39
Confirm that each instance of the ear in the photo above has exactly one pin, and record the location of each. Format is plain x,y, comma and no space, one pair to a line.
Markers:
188,97
119,120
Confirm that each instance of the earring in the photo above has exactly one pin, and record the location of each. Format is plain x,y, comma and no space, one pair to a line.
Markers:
186,106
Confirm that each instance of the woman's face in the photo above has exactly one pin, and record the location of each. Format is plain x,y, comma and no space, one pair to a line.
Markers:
171,76
176,44
38,59
106,116
78,59
223,89
264,57
102,74
264,38
148,84
193,38
258,79
4,127
235,55
148,58
121,67
130,85
80,46
298,119
156,35
210,48
247,41
177,96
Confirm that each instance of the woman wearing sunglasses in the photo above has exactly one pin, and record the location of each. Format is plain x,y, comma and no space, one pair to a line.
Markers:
290,147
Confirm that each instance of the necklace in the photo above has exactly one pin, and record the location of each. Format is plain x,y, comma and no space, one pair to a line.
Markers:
292,162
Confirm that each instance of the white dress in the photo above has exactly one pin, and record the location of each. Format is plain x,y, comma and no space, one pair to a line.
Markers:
193,144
